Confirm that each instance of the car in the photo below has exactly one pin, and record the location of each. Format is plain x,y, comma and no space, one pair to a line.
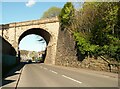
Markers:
29,61
39,61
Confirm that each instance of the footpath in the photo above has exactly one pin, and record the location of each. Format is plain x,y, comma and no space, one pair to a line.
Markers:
12,78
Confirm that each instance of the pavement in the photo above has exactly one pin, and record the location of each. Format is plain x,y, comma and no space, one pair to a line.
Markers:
12,77
42,75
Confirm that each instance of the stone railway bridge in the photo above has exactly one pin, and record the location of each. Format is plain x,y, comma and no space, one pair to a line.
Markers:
61,47
47,28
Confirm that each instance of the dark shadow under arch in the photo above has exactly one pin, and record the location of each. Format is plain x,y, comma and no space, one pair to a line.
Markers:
8,55
6,47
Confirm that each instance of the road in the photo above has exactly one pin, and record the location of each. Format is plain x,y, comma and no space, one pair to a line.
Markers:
41,75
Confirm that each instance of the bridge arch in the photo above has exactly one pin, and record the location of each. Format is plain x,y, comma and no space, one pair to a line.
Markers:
37,31
47,28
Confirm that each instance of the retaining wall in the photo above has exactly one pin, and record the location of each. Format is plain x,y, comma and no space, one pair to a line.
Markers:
68,55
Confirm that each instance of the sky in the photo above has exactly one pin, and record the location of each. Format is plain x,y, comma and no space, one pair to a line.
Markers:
35,44
24,11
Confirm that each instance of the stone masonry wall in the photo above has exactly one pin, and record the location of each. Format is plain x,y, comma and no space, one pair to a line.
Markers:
66,55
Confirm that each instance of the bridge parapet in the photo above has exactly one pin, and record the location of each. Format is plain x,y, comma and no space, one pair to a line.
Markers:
28,23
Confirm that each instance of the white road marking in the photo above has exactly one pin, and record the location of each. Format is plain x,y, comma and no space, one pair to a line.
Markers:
72,79
53,71
106,76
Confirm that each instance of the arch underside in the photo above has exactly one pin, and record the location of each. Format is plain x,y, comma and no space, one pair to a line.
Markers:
36,31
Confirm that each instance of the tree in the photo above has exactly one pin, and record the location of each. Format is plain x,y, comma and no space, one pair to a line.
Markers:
95,26
52,12
66,16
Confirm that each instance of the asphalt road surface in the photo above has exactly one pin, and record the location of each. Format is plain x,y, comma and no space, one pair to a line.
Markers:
41,75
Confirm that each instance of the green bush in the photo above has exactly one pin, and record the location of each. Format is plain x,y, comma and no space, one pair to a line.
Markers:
86,48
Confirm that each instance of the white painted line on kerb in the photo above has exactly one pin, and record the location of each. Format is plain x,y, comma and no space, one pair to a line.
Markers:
72,79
